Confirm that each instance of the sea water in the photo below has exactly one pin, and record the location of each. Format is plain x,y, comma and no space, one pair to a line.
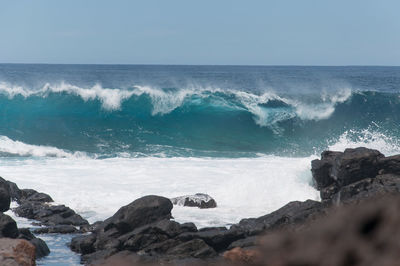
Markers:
97,137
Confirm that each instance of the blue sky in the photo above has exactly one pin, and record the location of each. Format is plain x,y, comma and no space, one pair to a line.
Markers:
252,32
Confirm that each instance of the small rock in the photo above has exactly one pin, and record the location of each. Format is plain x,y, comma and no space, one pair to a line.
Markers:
58,229
200,200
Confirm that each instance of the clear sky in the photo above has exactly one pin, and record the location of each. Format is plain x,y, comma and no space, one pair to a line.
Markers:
262,32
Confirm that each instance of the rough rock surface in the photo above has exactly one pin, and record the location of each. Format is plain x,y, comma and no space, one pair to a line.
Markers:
355,174
16,252
200,200
360,234
5,198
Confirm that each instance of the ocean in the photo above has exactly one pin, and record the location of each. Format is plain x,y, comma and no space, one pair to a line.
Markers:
97,137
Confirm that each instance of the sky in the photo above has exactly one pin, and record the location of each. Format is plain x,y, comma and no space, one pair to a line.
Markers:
211,32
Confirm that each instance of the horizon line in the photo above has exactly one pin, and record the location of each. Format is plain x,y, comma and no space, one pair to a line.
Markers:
161,64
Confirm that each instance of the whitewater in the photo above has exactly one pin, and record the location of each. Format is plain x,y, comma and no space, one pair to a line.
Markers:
97,137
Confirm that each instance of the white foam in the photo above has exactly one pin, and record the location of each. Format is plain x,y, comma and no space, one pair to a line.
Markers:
246,187
370,137
164,102
14,147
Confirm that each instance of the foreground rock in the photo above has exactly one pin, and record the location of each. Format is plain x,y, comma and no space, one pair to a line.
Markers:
360,234
16,252
355,174
200,200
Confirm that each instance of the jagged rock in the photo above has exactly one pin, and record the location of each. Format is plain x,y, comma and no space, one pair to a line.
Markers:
59,229
18,252
140,212
5,198
343,168
203,201
8,227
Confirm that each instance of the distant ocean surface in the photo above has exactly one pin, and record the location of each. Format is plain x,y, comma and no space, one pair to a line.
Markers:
96,137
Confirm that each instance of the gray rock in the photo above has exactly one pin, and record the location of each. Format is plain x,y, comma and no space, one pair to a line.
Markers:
200,200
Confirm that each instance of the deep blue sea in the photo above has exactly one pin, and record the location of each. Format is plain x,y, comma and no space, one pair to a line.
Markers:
96,137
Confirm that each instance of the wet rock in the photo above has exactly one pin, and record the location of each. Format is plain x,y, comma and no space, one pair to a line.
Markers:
5,198
16,252
140,212
59,229
8,227
200,200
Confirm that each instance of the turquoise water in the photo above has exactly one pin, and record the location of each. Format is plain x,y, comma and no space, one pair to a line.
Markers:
218,111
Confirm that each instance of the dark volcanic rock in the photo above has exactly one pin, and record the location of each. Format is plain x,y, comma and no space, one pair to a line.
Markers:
295,212
59,229
142,211
218,238
8,227
15,192
49,215
5,198
343,168
196,248
83,244
203,201
42,249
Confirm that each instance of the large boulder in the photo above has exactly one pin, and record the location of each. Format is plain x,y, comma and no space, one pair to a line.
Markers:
18,252
140,212
200,200
343,168
5,198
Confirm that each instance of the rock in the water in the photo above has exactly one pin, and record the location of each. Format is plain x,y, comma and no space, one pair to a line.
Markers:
140,212
5,198
200,200
8,227
49,215
59,229
16,252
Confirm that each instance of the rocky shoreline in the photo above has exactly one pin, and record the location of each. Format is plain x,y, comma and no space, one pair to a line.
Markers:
143,232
